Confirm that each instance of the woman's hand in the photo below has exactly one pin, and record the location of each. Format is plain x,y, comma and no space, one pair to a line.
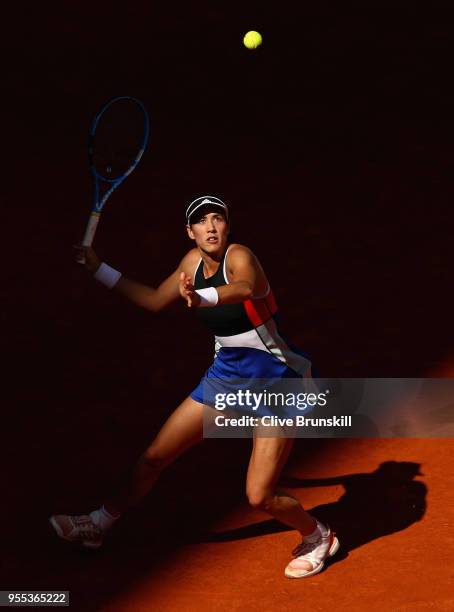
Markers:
88,257
187,291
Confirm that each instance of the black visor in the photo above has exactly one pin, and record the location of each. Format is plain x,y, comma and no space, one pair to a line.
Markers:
205,201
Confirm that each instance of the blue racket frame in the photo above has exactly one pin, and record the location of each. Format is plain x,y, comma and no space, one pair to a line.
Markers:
98,178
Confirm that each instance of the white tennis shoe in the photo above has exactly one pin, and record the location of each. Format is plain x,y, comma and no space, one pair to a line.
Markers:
77,529
310,557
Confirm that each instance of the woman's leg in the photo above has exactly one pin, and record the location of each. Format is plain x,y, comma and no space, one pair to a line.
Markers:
268,457
182,430
319,542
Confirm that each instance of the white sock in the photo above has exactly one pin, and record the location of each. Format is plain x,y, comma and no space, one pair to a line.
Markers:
103,519
315,535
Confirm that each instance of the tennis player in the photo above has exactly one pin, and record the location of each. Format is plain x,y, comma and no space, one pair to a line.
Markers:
227,287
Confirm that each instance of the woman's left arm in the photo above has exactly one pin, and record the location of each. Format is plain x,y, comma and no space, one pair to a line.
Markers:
246,279
246,276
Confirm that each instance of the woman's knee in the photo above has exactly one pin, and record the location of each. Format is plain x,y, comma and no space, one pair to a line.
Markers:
155,459
260,499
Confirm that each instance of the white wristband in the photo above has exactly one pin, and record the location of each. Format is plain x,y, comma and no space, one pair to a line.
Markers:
208,297
107,276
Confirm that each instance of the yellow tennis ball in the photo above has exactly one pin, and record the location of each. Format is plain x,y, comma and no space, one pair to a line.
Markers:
252,39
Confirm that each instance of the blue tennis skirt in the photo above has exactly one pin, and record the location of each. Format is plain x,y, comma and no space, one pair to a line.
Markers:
241,369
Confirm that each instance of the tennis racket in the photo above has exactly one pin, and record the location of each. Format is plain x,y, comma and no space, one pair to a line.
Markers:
117,140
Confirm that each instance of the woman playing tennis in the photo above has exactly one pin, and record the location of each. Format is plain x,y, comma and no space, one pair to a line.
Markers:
227,287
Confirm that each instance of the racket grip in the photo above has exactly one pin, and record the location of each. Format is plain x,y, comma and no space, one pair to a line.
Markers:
90,232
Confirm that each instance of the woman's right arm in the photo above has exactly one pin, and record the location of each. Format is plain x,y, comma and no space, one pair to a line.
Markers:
138,293
148,297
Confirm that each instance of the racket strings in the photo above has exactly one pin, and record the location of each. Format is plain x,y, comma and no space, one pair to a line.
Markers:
118,139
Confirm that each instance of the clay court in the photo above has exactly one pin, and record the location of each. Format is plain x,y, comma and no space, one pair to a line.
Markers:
333,143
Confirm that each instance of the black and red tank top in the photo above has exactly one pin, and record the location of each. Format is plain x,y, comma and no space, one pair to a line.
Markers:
232,319
249,324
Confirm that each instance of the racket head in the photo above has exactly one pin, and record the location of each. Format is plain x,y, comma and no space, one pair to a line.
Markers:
117,140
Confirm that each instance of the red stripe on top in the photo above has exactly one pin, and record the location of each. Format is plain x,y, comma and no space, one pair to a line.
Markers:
260,310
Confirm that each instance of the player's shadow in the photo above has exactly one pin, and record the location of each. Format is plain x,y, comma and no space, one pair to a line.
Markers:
373,505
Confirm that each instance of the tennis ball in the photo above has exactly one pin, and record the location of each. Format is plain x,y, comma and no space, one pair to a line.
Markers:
252,40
